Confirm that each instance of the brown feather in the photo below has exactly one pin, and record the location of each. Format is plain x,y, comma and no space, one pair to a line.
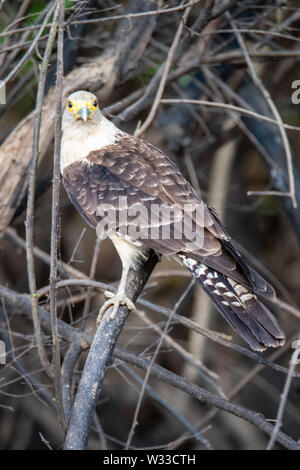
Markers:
133,168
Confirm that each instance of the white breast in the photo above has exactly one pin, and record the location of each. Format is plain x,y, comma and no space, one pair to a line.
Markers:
80,138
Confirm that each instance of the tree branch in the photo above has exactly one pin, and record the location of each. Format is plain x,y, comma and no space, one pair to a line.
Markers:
99,357
55,215
20,303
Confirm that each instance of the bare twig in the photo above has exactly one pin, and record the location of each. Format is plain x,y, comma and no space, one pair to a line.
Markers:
67,370
268,193
24,6
258,82
230,107
164,76
87,302
288,308
293,363
55,216
203,395
63,267
19,302
128,16
237,388
138,15
25,57
166,405
179,319
148,371
31,191
189,358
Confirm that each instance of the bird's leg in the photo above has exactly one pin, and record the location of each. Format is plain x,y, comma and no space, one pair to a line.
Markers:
117,299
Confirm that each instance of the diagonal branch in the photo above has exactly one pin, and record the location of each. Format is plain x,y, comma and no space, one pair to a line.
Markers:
273,108
164,74
20,303
99,357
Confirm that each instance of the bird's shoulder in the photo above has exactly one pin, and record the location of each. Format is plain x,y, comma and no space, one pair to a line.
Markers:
135,165
145,166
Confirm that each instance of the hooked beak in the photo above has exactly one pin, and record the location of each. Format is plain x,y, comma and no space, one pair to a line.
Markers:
84,113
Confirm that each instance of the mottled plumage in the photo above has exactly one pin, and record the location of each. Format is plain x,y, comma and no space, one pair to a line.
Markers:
126,166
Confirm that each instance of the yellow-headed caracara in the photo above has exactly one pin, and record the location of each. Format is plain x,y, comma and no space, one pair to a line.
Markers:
102,165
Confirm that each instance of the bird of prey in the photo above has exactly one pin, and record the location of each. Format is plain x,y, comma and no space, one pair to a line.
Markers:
100,164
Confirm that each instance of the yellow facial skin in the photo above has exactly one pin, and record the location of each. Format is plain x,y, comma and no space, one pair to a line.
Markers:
82,108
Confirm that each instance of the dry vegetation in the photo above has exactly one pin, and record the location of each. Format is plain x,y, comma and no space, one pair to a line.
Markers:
232,128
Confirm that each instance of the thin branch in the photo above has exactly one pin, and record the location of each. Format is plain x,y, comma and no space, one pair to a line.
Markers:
148,371
218,338
55,216
67,370
10,234
230,107
236,389
31,191
138,15
19,302
288,308
87,302
293,363
203,395
100,432
128,16
205,373
168,407
25,57
164,76
257,81
268,193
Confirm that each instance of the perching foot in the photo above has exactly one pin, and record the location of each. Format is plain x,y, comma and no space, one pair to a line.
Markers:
115,300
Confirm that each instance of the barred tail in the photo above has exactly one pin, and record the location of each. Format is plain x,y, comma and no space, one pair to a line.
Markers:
239,306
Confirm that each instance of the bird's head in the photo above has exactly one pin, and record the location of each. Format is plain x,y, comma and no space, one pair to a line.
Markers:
81,106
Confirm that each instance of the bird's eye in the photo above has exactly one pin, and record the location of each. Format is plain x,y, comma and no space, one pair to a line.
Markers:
95,104
69,104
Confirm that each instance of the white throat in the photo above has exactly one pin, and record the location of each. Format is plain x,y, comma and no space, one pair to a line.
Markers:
80,138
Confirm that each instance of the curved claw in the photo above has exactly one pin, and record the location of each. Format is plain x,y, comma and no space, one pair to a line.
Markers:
115,301
108,295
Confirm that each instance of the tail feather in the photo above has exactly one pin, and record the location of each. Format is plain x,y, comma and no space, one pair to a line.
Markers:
239,306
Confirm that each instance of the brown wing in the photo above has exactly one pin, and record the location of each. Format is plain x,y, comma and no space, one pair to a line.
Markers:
137,170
